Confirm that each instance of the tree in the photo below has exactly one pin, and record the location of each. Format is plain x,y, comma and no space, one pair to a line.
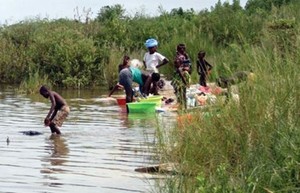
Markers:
253,5
109,13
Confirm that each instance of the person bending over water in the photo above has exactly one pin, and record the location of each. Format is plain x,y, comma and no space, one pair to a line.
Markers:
58,112
145,81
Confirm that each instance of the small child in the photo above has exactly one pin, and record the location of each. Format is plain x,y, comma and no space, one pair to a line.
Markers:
58,112
203,68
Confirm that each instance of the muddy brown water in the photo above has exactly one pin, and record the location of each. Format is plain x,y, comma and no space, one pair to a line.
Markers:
98,150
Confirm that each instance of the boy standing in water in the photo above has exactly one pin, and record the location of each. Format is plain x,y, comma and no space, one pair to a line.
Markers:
58,112
203,68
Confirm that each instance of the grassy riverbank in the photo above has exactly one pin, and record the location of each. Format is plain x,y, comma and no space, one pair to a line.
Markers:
252,146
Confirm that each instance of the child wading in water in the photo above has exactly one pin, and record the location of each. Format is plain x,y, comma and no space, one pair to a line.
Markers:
58,112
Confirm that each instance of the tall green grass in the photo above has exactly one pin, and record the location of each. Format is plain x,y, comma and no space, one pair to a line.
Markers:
252,146
33,83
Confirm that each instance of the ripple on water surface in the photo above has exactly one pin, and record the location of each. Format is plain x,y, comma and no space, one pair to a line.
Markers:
98,151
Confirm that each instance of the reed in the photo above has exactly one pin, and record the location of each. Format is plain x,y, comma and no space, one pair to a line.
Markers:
33,83
252,146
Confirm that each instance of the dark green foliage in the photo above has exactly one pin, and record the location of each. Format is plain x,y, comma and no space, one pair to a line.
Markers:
109,13
253,6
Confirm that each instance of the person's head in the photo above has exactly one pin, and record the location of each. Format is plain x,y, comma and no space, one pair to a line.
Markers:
126,59
152,49
155,77
201,54
181,48
44,91
151,44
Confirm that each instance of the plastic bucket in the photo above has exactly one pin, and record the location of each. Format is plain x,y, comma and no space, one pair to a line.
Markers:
141,107
121,101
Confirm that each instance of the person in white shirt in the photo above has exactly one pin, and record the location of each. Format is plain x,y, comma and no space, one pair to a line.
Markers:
152,59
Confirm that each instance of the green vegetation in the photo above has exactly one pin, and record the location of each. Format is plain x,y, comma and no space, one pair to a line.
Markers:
253,146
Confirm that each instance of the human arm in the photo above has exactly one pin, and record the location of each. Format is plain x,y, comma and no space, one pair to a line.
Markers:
160,58
52,110
198,67
164,61
208,65
117,86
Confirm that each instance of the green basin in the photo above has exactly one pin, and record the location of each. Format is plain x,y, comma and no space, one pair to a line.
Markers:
141,107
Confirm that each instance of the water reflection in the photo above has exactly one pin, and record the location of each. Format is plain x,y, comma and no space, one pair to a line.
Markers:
58,149
138,120
57,154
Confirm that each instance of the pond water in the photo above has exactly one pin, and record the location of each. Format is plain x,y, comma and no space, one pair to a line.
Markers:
98,150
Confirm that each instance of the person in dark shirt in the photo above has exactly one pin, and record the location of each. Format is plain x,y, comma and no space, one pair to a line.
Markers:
203,68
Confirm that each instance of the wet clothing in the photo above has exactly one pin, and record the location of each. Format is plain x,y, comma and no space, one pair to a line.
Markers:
203,67
61,115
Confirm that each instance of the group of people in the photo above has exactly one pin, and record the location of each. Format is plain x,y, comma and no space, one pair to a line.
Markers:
183,69
147,80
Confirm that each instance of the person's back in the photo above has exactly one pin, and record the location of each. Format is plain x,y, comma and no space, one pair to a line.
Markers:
137,76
